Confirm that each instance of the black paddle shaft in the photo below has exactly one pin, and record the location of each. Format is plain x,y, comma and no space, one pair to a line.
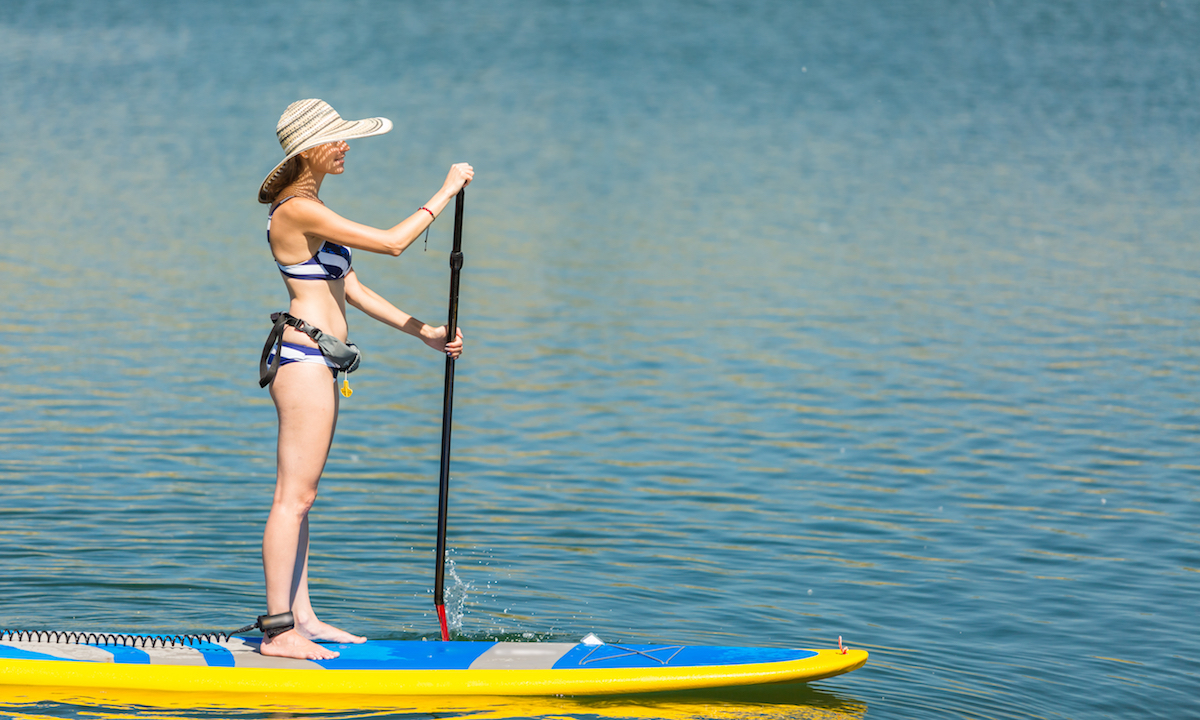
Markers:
456,263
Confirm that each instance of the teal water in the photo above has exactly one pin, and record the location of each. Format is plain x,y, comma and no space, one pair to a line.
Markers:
786,321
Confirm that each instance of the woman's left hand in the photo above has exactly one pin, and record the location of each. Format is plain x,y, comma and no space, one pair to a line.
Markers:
437,341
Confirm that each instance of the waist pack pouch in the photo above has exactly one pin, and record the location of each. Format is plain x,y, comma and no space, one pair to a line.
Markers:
345,356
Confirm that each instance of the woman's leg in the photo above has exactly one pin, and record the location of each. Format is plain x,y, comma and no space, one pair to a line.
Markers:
306,401
307,622
306,619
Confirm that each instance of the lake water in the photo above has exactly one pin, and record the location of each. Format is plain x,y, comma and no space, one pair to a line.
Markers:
786,321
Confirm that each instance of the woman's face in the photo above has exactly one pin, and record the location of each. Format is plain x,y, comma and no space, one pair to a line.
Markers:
329,158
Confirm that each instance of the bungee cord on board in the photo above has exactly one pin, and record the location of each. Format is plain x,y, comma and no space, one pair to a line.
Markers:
67,637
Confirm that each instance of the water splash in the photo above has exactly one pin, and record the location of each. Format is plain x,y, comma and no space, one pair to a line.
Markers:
455,594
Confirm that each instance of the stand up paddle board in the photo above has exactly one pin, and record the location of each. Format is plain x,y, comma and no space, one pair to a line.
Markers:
385,668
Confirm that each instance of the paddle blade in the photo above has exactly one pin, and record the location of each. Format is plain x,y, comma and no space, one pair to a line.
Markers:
442,619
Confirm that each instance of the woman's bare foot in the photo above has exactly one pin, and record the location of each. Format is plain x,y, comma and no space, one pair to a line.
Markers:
291,645
314,629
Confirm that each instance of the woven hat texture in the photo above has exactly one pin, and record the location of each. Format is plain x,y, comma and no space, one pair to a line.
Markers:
309,123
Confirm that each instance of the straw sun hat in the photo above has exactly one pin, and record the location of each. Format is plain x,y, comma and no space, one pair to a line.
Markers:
309,123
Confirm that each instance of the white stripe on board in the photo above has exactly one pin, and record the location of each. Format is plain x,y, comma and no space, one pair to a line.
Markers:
521,656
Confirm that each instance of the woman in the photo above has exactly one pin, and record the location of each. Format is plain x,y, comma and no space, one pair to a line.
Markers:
312,245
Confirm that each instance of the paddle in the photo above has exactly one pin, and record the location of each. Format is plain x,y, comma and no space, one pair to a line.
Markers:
456,262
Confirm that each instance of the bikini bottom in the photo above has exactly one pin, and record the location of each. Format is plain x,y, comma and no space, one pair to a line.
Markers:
292,353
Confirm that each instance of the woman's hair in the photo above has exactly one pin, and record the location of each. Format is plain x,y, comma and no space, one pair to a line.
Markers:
281,178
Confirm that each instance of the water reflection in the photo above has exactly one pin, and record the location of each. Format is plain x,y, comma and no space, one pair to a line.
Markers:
793,701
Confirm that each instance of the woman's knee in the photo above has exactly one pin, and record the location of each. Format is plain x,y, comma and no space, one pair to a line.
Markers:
296,503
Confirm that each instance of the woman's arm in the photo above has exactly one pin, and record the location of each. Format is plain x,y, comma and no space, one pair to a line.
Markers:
375,306
316,219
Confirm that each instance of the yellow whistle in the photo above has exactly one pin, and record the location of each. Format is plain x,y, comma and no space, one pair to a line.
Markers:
346,391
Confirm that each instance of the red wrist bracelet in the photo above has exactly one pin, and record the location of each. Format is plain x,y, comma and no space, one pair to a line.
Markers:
428,211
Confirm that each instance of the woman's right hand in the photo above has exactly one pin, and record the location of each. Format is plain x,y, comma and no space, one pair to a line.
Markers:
436,339
458,178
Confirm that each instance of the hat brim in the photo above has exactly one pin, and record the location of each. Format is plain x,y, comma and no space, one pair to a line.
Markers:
344,130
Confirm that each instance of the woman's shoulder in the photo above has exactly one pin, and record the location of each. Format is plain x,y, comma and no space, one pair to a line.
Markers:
295,203
299,212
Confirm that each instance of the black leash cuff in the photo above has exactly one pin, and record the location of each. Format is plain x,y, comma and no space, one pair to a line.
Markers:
271,625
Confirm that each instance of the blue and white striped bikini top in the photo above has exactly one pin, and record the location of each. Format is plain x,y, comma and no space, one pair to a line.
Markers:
331,262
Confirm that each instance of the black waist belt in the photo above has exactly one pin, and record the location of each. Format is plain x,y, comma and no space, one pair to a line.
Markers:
345,356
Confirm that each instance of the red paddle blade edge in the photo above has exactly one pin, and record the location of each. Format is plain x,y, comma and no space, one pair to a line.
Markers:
441,609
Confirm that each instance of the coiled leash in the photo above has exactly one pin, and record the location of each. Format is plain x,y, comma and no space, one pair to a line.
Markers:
271,625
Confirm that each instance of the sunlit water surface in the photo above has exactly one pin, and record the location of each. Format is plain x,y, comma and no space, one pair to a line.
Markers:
786,321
